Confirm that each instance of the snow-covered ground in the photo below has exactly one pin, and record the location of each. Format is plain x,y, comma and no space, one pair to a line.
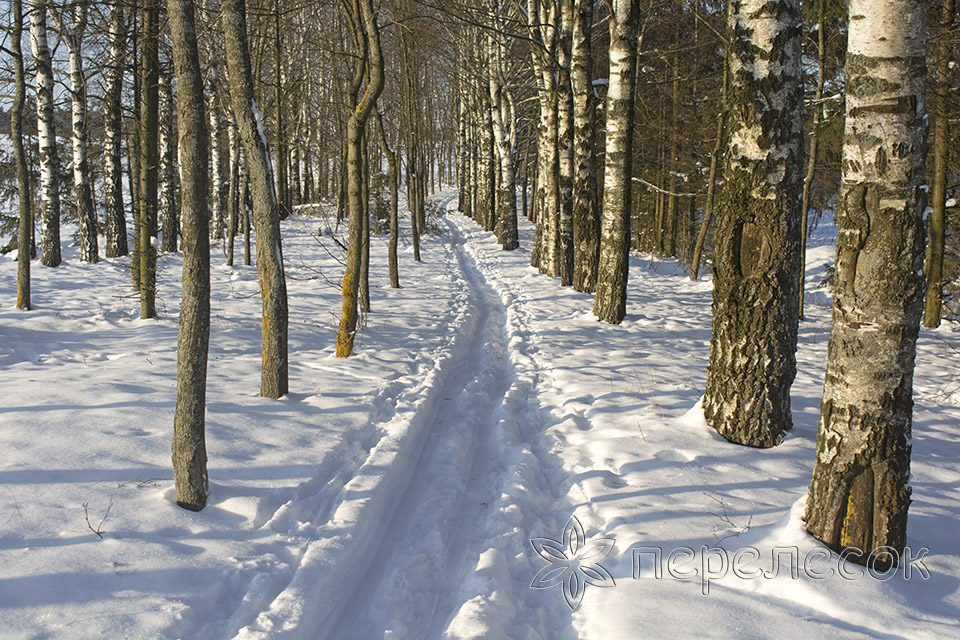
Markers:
395,494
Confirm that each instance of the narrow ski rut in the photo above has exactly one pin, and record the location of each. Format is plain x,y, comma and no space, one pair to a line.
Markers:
411,587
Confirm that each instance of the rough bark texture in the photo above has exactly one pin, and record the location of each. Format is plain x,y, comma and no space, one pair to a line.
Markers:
933,265
149,156
115,222
586,213
394,184
25,232
610,302
189,450
565,129
47,138
858,494
266,221
757,254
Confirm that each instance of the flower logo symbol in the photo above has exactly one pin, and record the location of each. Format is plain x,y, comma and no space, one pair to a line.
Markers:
573,563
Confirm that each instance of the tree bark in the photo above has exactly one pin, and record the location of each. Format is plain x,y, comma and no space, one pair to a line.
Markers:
168,168
72,31
858,494
216,166
610,302
266,220
115,222
233,191
757,255
149,156
933,265
366,21
47,138
586,214
189,452
812,155
25,232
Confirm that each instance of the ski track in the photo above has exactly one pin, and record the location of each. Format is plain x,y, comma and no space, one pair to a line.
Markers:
424,531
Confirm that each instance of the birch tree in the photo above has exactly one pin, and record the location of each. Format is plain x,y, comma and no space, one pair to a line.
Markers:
72,29
266,219
586,213
189,451
859,496
503,116
610,302
756,258
168,167
47,137
115,222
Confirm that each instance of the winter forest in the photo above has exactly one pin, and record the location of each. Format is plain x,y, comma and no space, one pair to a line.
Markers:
507,319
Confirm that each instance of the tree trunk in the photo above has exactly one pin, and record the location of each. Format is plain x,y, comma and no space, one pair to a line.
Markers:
757,254
711,181
149,156
115,222
72,31
233,192
47,138
391,154
586,214
610,303
858,493
216,166
168,168
25,232
933,265
266,220
812,154
565,133
189,451
365,21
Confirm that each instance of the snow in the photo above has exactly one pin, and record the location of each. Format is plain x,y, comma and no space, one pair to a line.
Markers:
395,494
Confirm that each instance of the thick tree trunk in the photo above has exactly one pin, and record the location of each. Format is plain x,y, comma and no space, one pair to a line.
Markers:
586,214
149,156
25,229
858,494
757,254
933,265
115,223
168,168
47,138
610,303
266,220
189,451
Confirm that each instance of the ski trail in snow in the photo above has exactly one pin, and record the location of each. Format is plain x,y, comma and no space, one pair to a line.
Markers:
409,591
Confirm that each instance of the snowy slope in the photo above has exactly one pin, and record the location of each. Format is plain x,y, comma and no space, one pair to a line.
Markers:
395,494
